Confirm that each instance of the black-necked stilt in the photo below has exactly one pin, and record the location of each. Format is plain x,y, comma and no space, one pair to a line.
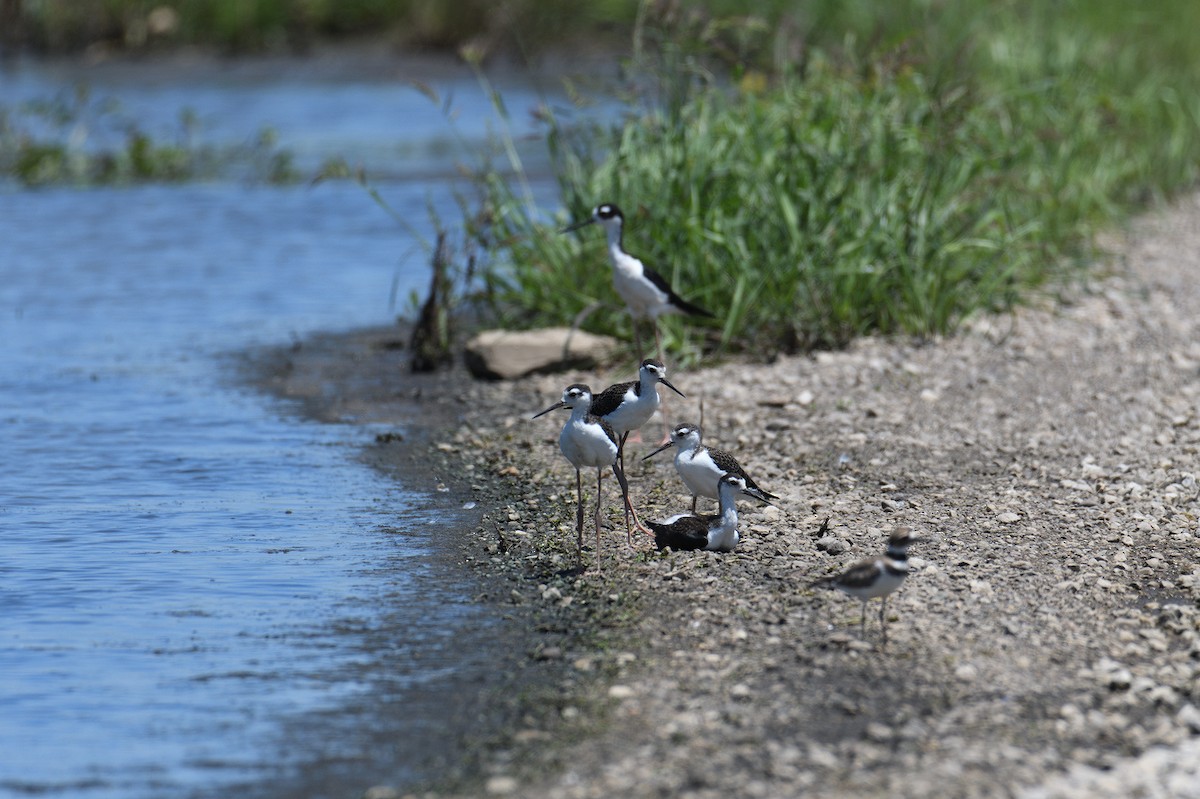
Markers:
645,292
717,532
587,440
701,467
876,577
628,406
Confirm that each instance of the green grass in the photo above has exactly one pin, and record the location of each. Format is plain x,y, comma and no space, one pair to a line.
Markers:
74,139
256,25
886,179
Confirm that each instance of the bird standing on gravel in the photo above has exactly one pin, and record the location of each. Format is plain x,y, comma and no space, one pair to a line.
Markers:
587,440
628,406
875,577
717,532
701,468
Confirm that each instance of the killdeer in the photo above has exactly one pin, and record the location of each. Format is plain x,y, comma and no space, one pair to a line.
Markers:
876,577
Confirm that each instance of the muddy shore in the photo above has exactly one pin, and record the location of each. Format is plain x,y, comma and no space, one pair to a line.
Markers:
1047,642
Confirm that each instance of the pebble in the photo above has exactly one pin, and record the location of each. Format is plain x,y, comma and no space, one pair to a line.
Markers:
832,545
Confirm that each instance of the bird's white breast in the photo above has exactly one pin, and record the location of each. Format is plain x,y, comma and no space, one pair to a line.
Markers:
634,411
644,299
586,444
699,473
724,538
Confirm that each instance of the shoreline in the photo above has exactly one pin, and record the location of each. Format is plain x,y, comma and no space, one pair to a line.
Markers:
361,377
1048,638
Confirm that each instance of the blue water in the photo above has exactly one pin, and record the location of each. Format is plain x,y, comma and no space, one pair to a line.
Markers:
187,566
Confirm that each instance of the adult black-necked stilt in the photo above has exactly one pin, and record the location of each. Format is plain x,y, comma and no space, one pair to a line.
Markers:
876,577
702,468
717,532
628,406
587,440
645,292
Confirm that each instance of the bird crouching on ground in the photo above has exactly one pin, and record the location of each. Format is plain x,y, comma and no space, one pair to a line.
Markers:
717,532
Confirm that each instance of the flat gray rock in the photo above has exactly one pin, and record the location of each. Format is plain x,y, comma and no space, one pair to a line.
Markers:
510,354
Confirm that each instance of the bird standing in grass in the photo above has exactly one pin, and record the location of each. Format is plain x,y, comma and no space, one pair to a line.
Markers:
717,532
646,293
702,468
586,440
876,577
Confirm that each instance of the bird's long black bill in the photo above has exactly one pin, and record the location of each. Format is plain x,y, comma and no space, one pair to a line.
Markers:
577,226
553,407
664,381
660,449
760,495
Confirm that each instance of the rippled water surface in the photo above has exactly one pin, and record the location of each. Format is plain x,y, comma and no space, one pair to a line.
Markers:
186,567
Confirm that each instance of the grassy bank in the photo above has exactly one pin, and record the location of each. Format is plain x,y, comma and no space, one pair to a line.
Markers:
892,173
243,26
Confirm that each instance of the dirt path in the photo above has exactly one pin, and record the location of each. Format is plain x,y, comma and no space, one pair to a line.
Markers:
1046,644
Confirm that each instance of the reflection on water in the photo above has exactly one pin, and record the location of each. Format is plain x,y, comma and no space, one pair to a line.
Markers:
186,567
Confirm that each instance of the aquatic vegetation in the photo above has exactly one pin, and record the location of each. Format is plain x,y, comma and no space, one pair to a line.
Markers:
959,163
72,138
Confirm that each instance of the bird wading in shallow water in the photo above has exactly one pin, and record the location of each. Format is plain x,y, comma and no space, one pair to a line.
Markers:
701,468
717,531
875,577
587,440
646,293
628,406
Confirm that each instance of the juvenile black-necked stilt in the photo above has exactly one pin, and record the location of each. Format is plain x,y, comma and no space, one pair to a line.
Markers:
645,292
701,467
587,440
717,532
628,406
876,577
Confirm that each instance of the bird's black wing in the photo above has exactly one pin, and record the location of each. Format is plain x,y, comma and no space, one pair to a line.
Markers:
662,285
608,430
610,398
728,464
688,533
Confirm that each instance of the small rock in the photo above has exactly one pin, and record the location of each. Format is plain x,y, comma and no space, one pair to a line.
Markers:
620,692
1189,717
381,792
1008,518
507,355
832,545
879,733
501,785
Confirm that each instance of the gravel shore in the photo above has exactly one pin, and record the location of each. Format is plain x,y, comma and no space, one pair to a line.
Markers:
1046,643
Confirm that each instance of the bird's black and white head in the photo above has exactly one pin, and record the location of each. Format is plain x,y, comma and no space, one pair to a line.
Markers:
899,542
607,215
685,436
576,394
653,371
732,485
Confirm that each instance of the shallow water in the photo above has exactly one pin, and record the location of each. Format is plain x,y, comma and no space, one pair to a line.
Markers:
187,567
